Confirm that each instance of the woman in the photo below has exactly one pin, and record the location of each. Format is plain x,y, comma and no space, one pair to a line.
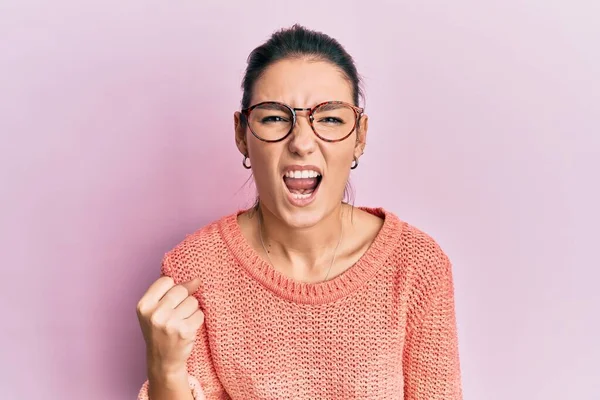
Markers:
303,296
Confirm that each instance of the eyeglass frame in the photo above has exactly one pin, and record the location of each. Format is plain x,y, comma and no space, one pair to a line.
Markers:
358,113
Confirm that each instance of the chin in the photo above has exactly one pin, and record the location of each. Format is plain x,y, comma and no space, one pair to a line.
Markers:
303,218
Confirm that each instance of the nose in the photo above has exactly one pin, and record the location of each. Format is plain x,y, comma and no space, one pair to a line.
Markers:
303,140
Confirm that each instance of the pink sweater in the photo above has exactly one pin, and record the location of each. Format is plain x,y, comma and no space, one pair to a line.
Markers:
384,329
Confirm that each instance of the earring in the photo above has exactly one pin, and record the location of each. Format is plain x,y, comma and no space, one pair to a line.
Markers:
244,163
354,163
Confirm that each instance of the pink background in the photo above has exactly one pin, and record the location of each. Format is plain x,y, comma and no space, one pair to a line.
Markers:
117,140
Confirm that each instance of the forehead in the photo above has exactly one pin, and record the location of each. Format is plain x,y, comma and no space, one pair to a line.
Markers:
302,83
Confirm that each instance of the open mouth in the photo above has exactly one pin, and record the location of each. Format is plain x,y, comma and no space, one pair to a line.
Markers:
302,185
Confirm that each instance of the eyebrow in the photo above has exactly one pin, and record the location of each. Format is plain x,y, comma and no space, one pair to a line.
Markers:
272,106
331,106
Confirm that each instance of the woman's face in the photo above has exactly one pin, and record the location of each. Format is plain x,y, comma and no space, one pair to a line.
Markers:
301,83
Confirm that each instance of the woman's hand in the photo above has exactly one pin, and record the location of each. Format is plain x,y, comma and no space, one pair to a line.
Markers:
169,317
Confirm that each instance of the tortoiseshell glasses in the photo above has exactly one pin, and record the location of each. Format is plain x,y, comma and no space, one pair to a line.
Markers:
331,121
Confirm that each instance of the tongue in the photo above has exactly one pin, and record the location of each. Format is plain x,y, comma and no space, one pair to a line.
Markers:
303,185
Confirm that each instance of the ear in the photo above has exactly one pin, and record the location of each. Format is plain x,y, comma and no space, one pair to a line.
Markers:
240,133
361,136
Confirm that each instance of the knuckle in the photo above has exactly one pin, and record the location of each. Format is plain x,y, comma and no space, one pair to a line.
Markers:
180,290
172,327
156,320
140,308
174,293
199,321
167,280
186,334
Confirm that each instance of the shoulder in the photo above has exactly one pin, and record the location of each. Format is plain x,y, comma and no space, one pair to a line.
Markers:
426,270
419,255
198,252
421,247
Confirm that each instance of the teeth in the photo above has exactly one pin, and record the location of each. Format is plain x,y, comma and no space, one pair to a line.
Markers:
302,174
301,196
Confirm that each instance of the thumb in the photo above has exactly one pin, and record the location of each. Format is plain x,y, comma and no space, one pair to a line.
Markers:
192,285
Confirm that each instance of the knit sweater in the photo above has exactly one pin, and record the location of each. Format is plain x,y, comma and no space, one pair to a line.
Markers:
383,329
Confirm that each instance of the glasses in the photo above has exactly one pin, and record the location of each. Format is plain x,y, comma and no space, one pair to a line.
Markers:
331,121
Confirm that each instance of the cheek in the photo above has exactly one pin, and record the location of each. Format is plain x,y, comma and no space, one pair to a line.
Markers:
264,158
338,163
339,156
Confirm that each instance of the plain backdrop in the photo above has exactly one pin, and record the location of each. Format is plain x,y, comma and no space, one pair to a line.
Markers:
116,124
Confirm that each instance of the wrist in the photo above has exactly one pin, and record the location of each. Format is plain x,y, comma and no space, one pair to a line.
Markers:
168,384
167,374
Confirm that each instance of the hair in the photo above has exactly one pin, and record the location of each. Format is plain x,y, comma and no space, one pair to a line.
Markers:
298,42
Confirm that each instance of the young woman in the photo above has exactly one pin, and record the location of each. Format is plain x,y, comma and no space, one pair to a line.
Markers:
303,296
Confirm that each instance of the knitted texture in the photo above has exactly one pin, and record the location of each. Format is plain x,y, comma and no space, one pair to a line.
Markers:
384,329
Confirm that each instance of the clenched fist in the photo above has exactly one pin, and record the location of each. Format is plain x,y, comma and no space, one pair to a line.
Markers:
169,317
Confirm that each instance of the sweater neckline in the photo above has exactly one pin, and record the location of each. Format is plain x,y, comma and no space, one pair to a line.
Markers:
331,290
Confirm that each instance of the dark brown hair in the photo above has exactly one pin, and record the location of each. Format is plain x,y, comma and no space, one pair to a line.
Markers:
299,42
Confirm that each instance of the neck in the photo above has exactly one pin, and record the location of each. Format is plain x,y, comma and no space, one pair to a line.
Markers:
302,251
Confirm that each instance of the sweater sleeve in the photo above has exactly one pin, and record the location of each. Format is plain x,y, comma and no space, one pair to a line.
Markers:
195,388
430,360
202,377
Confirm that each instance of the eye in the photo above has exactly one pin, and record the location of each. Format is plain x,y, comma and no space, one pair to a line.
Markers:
331,120
272,119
